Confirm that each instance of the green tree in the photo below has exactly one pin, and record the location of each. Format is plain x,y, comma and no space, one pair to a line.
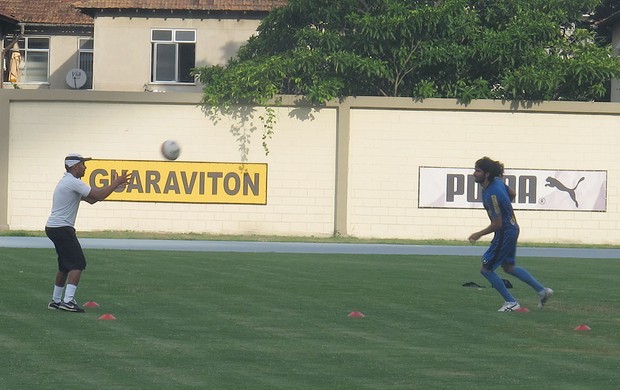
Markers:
464,49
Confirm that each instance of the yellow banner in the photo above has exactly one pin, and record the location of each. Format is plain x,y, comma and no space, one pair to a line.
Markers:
182,182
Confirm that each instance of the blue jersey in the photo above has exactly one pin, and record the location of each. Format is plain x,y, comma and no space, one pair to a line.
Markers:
496,201
503,246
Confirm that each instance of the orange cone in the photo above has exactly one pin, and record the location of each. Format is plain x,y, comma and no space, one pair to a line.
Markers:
107,317
523,310
356,314
583,327
91,304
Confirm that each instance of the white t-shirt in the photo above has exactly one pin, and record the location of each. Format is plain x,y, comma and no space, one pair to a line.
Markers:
66,201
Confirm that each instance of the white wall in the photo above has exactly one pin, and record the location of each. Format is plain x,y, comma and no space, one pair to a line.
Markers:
387,149
301,166
374,146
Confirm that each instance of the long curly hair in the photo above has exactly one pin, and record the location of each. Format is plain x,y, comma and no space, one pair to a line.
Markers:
492,167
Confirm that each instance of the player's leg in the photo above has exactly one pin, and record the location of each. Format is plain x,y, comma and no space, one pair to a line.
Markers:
56,235
59,285
498,284
544,293
491,259
73,279
71,262
523,275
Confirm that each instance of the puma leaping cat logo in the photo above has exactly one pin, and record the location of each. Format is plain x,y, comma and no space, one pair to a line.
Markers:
553,182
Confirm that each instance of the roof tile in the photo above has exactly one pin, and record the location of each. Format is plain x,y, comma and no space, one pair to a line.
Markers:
68,11
44,11
194,5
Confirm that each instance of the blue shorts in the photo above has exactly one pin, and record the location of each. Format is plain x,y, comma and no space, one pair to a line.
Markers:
503,249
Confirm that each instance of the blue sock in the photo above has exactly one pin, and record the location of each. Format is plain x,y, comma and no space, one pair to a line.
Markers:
499,285
526,277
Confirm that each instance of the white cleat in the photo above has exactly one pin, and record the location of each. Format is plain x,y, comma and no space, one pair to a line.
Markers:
510,306
544,296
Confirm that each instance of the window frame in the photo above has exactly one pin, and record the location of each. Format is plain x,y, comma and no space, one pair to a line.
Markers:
80,50
176,42
26,52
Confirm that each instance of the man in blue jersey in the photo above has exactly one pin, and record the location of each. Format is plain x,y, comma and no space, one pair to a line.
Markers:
496,198
69,191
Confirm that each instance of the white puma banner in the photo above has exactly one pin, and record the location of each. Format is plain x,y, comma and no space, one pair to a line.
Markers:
536,189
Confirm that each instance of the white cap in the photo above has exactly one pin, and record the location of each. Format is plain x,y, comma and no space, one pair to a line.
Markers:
74,158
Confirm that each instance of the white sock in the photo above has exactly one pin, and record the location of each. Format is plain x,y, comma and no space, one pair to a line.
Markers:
70,292
57,294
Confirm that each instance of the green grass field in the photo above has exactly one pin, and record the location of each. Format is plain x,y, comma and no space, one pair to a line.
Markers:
187,320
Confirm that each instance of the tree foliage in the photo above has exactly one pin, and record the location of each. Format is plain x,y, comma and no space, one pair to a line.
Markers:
464,49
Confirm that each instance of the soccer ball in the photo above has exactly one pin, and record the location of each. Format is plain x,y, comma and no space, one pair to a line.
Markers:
170,149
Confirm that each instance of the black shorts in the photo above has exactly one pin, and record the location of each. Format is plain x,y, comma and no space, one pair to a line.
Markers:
70,254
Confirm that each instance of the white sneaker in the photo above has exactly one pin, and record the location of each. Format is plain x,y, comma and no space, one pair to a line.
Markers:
510,306
544,296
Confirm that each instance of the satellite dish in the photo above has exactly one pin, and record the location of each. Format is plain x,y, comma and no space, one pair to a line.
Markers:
76,78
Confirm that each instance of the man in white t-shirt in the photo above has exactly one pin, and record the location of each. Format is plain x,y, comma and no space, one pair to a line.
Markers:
69,191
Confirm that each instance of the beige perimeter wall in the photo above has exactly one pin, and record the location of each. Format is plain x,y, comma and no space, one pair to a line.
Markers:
349,168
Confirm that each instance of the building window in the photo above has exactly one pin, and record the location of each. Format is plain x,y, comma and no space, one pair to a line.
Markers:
35,56
85,60
173,55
